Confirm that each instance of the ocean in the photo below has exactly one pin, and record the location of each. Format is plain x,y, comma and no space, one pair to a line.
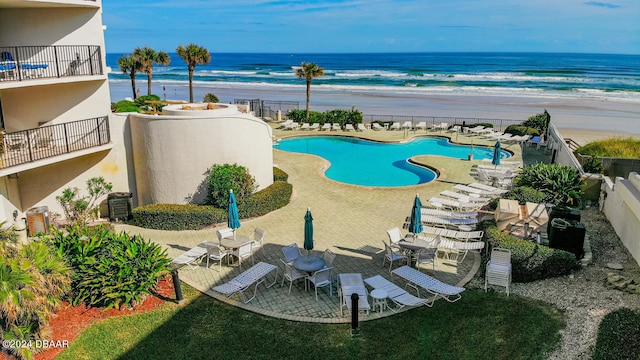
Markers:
501,74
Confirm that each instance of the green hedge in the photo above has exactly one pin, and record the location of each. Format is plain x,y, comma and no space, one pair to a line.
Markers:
520,193
521,130
530,261
266,200
177,216
279,175
618,336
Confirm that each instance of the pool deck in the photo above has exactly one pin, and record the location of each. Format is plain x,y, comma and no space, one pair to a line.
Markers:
350,220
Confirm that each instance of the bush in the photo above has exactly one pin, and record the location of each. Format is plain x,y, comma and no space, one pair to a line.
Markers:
125,106
628,148
530,261
562,184
225,177
80,209
593,165
521,193
110,270
211,98
177,216
521,130
140,101
300,116
538,122
266,200
618,336
280,175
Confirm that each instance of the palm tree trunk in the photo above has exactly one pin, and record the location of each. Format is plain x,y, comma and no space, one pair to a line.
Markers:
308,96
190,86
149,76
133,84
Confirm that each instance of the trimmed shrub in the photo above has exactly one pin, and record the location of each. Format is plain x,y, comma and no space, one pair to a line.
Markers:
521,130
562,184
266,200
177,216
529,260
520,193
618,336
225,177
300,116
125,106
109,270
140,101
279,175
538,122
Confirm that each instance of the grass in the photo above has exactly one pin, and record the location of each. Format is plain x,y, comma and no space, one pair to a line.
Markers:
479,326
628,148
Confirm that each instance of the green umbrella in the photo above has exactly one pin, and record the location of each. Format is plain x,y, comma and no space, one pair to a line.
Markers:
308,231
234,220
496,154
415,222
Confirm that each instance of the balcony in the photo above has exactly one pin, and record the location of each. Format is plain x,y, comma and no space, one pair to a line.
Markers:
19,63
28,146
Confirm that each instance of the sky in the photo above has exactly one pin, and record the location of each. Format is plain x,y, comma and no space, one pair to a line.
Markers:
364,26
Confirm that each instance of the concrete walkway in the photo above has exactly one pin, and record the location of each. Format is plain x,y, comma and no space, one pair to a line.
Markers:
350,220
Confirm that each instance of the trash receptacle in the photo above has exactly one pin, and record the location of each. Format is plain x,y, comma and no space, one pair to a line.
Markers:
567,234
38,220
564,212
120,206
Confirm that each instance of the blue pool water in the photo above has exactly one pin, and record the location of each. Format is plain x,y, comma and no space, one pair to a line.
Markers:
368,163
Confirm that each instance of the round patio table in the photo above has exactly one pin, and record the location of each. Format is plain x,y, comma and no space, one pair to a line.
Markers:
379,297
230,243
309,263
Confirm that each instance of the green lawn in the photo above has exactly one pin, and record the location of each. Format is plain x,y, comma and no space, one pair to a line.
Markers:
479,326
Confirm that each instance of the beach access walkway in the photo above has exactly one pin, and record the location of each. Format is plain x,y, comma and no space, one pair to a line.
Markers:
349,220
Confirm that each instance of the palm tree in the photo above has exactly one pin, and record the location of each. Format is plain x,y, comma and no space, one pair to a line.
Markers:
147,57
308,71
193,54
130,65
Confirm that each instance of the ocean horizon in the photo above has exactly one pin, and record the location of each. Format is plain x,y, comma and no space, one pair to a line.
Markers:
604,76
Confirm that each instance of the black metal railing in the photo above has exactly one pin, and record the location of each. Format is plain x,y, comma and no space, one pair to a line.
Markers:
268,108
498,124
19,63
21,147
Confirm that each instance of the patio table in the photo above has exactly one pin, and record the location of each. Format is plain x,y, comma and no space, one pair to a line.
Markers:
309,264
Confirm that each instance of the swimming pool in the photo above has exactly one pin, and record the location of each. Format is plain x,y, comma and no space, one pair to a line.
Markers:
369,163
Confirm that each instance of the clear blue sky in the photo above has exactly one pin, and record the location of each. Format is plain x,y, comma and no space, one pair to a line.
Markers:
309,26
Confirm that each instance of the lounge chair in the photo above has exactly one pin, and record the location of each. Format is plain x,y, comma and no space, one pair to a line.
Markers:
395,126
492,135
394,292
406,125
361,127
474,189
454,129
456,249
417,280
454,234
464,197
436,220
314,126
191,256
353,284
479,130
349,127
326,126
448,213
285,124
441,126
456,205
498,271
335,127
257,275
292,126
376,126
421,125
305,126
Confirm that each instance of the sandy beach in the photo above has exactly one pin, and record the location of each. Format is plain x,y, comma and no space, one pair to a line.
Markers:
579,117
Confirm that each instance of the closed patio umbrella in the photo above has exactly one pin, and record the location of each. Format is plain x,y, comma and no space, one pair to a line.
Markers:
308,231
496,154
234,220
415,222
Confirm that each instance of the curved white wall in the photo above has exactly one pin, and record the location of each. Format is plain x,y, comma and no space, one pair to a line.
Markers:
173,153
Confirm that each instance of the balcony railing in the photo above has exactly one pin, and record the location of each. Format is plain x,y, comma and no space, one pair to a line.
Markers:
22,147
19,63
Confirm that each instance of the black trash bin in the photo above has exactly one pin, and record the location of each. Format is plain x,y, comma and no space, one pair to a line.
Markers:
567,234
564,212
120,206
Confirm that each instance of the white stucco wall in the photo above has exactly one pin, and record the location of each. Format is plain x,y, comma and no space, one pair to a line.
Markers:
173,153
622,208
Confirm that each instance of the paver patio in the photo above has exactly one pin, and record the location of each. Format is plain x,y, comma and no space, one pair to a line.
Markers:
350,220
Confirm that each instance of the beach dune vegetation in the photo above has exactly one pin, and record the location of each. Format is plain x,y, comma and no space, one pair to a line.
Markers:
309,71
130,65
147,57
628,148
193,54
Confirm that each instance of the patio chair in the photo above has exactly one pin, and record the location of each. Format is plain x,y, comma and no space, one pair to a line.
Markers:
391,255
376,126
258,238
349,127
395,126
421,125
498,270
395,236
329,257
361,127
214,252
223,233
394,292
426,256
321,278
417,280
291,252
244,252
257,275
454,129
291,274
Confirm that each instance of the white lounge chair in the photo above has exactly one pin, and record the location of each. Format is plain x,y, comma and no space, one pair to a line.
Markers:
448,213
406,125
395,126
487,188
305,126
454,129
454,234
453,204
441,126
191,256
394,292
326,126
361,127
292,126
479,130
435,220
457,250
349,127
257,275
498,270
335,127
285,124
421,125
417,280
314,126
353,284
482,192
465,197
376,126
